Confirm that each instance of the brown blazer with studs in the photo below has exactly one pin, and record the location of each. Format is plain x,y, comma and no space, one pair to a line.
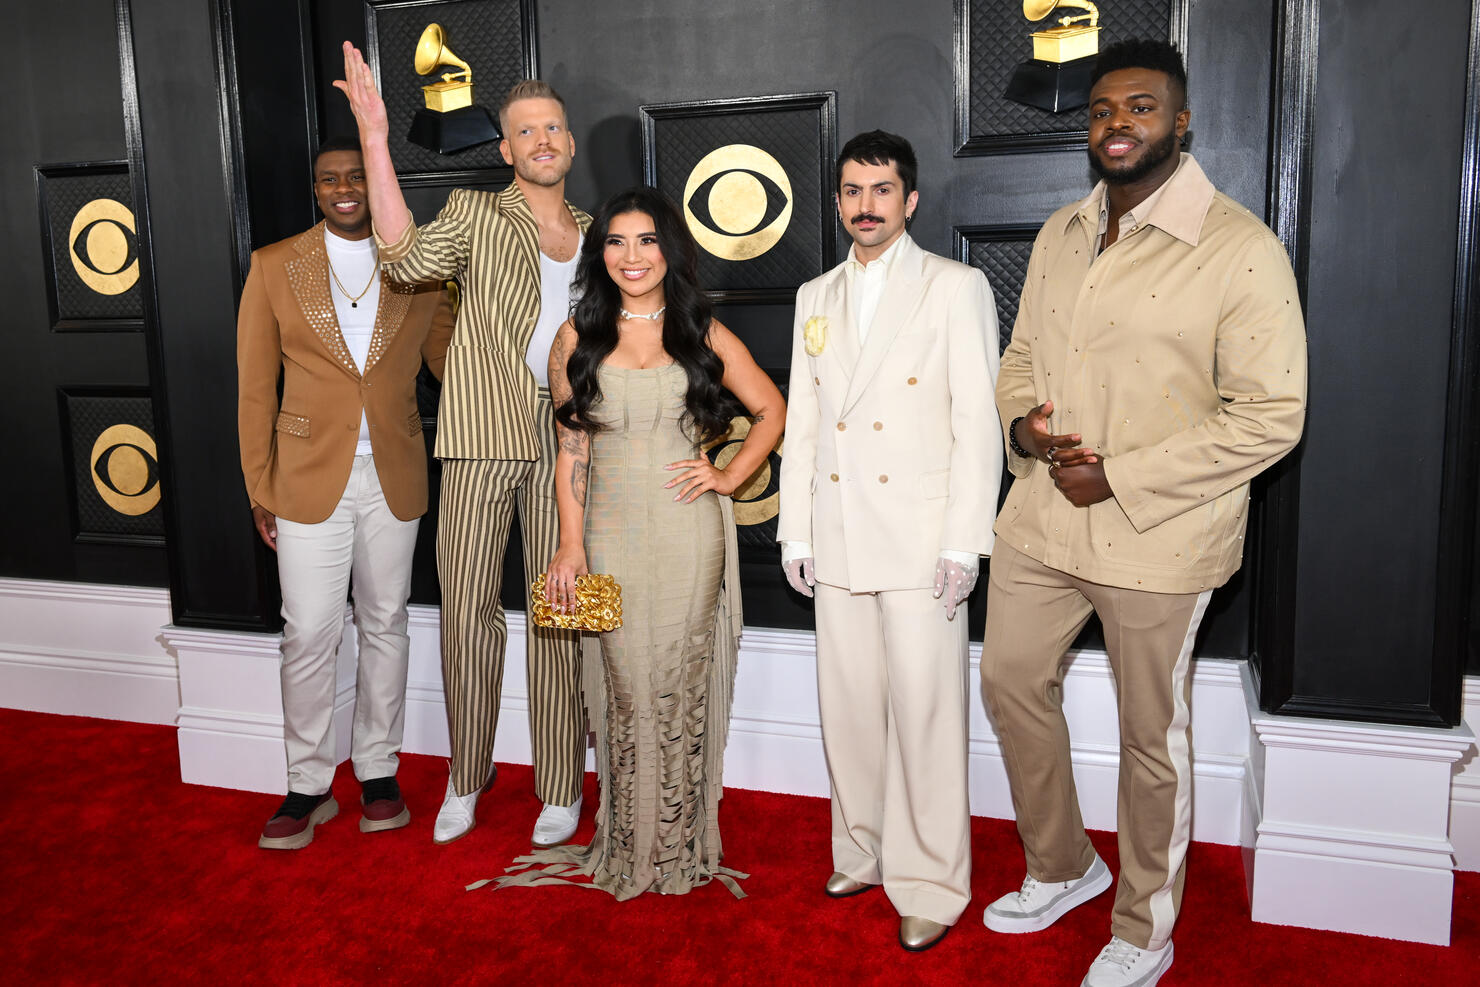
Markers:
297,453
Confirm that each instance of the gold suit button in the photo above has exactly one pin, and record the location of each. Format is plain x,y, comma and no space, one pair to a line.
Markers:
878,426
842,426
817,380
883,477
835,478
350,427
912,381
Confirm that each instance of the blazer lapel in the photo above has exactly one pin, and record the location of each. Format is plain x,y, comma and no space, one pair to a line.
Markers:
524,262
308,273
395,299
902,294
842,337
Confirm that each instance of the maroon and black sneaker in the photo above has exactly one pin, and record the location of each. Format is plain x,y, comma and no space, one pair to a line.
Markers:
291,827
382,805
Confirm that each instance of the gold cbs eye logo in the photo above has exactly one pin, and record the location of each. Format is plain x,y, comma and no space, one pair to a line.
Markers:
758,499
737,202
125,470
104,246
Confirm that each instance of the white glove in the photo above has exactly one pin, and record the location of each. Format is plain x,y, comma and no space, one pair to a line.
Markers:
800,575
955,580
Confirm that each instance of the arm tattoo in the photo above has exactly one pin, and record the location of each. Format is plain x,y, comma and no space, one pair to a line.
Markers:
578,471
758,419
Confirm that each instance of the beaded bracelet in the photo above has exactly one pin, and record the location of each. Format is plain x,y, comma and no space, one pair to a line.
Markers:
1012,442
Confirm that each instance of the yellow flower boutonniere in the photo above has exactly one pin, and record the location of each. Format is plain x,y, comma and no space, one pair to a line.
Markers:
814,334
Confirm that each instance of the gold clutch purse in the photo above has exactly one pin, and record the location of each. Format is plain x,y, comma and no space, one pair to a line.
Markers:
598,605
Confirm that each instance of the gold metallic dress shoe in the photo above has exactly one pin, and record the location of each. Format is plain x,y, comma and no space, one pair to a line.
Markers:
919,934
840,885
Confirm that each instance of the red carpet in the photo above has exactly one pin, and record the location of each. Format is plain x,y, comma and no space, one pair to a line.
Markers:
119,873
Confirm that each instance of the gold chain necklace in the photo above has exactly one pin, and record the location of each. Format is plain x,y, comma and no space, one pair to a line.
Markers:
354,300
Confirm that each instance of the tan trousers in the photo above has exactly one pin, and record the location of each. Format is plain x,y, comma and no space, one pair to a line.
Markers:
892,691
476,509
1033,614
362,540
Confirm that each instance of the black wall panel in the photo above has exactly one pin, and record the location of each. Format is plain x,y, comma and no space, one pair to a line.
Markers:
59,70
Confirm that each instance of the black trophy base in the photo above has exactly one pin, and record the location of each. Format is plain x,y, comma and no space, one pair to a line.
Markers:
453,131
1053,86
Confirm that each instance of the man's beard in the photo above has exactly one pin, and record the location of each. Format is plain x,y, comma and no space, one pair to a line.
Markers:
1154,156
538,175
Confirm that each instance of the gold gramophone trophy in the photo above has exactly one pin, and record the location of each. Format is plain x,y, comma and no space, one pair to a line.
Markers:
1057,77
450,121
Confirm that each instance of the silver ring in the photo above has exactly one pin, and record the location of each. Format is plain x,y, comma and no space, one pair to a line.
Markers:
1049,455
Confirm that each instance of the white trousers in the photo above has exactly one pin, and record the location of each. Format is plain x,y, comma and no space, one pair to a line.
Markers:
891,686
363,542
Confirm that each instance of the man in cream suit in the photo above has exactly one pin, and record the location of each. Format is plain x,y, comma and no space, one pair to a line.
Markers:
888,489
337,476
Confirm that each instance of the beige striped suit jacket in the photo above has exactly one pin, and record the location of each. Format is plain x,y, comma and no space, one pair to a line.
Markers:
489,242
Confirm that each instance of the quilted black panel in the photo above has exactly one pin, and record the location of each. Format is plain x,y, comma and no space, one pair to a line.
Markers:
487,34
87,416
65,194
997,39
1005,263
794,138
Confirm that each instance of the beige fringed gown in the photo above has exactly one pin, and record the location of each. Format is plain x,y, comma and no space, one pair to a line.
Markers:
658,689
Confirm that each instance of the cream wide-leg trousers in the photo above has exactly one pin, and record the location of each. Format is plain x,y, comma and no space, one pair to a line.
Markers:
364,544
892,691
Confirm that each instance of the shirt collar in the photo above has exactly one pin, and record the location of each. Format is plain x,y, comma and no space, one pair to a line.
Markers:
884,261
1177,208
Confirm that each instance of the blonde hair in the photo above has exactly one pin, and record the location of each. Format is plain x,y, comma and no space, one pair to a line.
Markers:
529,89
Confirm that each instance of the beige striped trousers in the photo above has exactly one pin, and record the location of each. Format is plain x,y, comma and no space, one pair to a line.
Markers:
1033,614
477,506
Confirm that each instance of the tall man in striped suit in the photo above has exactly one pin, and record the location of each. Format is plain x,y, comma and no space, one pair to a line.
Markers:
513,253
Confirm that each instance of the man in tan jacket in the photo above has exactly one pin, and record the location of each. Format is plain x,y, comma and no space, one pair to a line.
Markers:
337,476
887,490
1156,367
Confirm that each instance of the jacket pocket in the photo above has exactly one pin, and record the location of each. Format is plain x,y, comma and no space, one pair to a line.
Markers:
293,424
413,424
935,484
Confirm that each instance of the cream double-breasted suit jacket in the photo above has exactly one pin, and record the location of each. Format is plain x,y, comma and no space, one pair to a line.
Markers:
893,449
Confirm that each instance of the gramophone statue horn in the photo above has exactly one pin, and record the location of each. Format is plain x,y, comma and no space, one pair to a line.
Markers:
452,92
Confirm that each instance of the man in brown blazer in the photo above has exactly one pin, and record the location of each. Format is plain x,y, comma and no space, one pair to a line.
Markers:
1156,367
513,253
337,476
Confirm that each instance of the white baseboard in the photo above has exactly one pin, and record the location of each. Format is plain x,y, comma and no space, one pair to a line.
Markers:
86,650
1321,851
1353,826
1464,799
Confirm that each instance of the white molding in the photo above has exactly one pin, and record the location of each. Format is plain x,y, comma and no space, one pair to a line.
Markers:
1352,825
86,650
1464,804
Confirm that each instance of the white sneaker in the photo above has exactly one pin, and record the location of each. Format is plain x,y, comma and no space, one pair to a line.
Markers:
557,823
1122,965
1038,905
455,819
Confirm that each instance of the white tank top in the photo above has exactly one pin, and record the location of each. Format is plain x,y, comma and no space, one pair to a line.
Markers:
555,306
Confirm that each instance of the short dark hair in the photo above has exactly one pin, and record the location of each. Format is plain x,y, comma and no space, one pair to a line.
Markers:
879,147
337,143
1143,53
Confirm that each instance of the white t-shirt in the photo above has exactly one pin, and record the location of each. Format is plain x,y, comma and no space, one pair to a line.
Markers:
357,263
555,304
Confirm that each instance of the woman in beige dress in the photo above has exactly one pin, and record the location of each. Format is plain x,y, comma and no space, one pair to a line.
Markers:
639,376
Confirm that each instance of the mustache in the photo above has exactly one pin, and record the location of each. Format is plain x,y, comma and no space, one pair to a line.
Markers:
866,217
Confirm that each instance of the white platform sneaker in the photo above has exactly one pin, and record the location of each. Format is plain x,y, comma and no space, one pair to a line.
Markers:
1037,905
557,824
455,819
1122,965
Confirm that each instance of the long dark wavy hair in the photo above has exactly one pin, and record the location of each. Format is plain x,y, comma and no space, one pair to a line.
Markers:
685,323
